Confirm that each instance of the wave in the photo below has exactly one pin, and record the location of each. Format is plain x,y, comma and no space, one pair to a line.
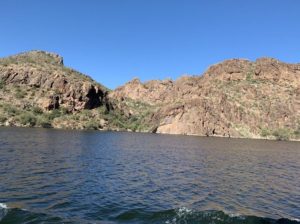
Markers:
174,216
3,206
22,216
188,216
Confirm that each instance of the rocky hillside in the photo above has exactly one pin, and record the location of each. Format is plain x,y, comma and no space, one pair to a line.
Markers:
235,98
52,85
36,89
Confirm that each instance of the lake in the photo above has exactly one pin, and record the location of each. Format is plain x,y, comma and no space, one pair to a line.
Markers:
59,176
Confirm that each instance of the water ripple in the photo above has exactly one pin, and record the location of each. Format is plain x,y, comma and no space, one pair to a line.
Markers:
55,176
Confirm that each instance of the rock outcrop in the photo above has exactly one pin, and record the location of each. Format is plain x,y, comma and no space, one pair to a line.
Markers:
53,84
235,98
36,89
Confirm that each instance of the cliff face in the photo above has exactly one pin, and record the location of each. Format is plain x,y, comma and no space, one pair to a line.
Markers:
236,98
36,89
51,84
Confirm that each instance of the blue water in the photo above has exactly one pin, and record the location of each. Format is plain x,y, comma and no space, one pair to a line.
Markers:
56,176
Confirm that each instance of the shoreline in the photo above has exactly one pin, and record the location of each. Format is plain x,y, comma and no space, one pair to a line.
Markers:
146,132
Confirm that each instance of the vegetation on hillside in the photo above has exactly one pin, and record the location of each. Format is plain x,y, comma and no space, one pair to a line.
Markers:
235,98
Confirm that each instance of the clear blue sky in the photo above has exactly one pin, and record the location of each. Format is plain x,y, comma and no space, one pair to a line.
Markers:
114,41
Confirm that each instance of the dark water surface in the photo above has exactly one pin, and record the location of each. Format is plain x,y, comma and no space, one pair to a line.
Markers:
55,176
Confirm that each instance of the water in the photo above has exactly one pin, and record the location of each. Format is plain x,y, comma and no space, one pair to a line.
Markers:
55,176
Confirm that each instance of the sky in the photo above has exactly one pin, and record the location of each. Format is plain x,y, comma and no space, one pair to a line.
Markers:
115,41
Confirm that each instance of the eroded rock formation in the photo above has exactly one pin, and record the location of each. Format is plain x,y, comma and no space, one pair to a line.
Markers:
236,98
54,84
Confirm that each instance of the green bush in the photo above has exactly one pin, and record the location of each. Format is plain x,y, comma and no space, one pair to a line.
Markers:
51,115
297,132
265,132
37,110
2,118
43,122
249,76
282,134
20,94
86,113
2,84
133,122
63,111
54,114
10,110
103,110
27,119
91,125
74,117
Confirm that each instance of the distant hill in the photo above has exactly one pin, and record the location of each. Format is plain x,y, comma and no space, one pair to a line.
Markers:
235,98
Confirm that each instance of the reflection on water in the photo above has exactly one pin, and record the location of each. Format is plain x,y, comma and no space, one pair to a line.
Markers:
89,176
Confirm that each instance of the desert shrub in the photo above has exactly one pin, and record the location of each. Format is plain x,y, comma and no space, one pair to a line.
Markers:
116,119
55,113
265,132
44,122
74,117
2,84
102,110
297,132
86,113
91,125
19,94
63,111
6,61
27,119
37,110
249,76
2,118
282,134
10,110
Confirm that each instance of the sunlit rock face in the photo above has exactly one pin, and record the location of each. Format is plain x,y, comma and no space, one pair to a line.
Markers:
237,98
54,85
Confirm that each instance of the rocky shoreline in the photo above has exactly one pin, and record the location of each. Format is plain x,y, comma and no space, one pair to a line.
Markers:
271,138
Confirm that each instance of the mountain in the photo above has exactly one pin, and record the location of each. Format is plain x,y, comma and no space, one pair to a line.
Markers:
36,89
235,98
